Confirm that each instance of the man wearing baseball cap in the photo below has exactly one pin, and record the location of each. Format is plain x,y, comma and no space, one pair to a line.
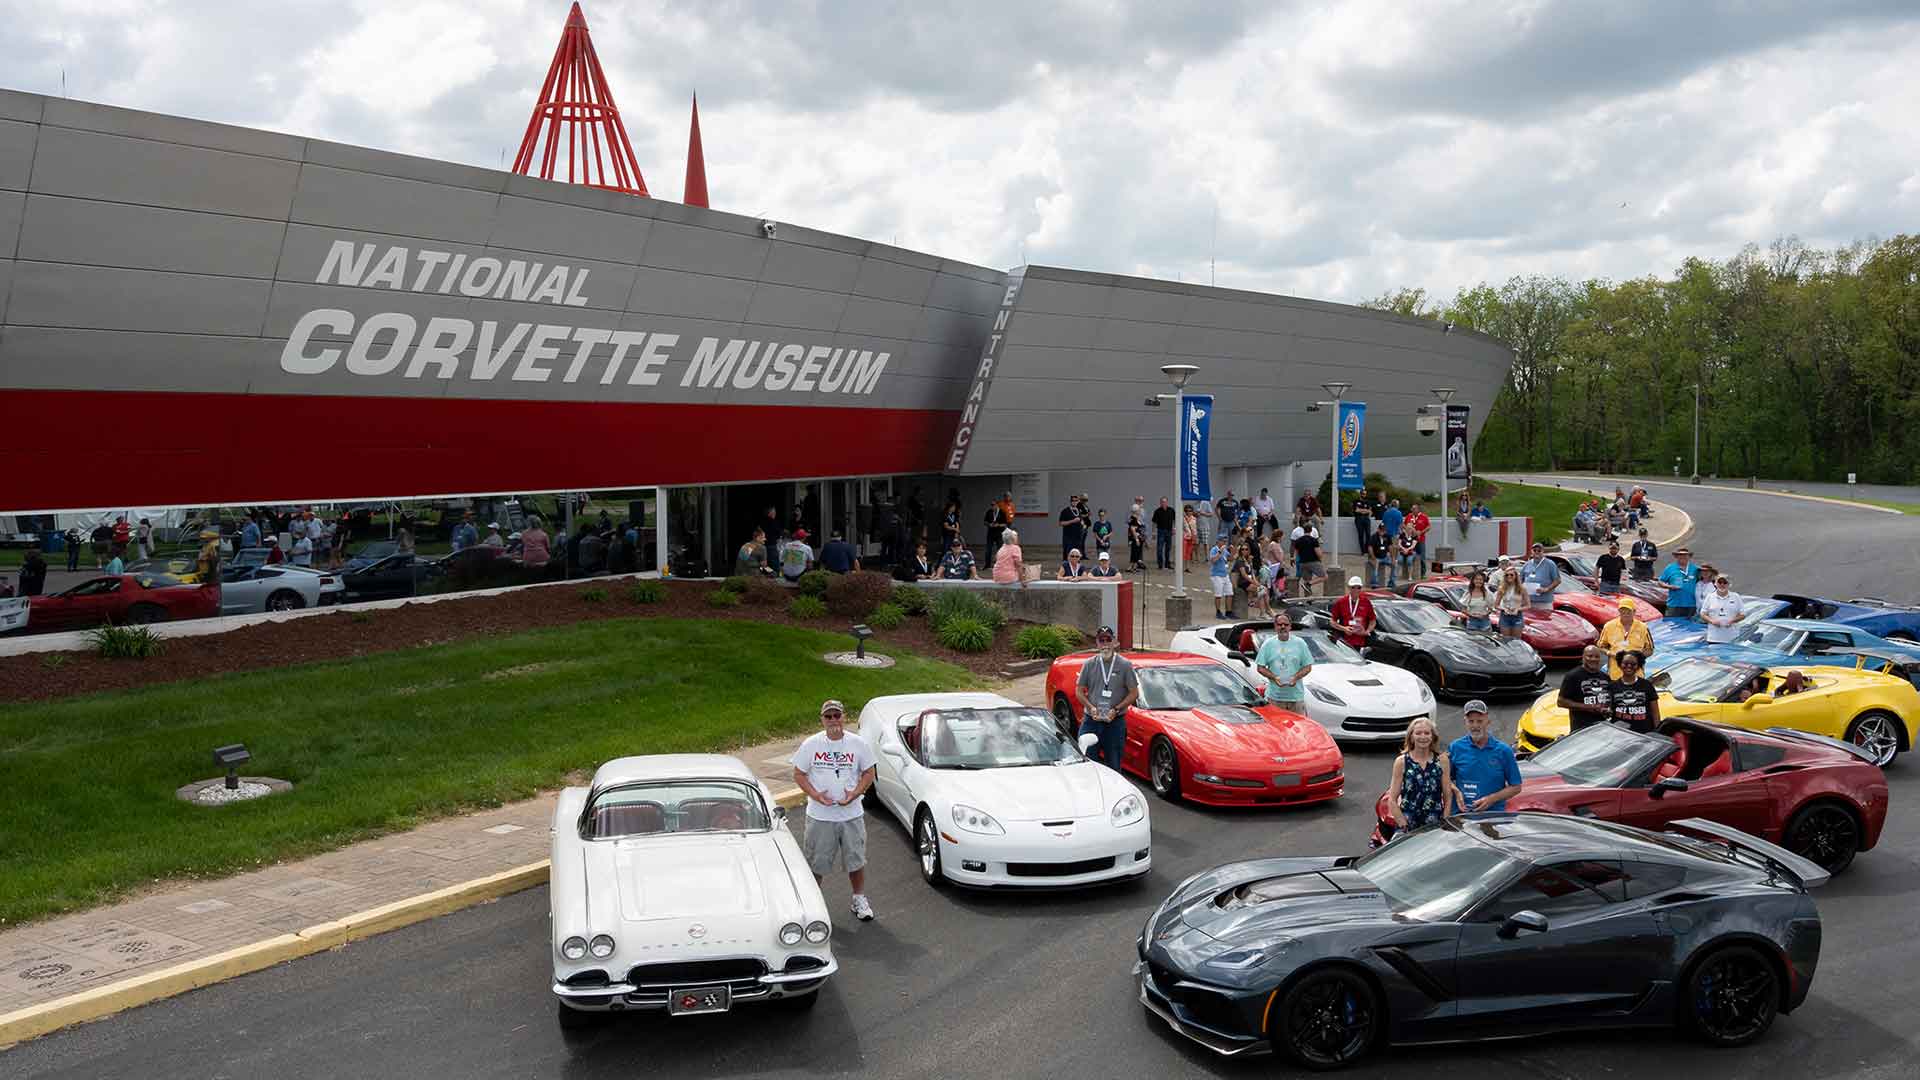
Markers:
1541,577
1484,771
1103,567
1682,579
835,767
1352,615
1625,632
1107,688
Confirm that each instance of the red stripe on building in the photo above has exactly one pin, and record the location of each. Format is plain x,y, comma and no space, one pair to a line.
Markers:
83,449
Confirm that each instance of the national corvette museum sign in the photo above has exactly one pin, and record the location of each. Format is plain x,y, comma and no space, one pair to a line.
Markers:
395,344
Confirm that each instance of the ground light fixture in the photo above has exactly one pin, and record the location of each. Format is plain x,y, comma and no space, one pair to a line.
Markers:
861,632
231,758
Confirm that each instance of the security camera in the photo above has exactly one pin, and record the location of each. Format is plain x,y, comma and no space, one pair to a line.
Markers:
766,229
1427,425
1152,402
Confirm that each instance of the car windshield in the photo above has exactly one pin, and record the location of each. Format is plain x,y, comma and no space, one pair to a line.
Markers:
1409,616
993,739
1572,586
1582,565
1769,635
1435,873
1323,649
1604,755
1184,686
1755,608
1696,679
675,806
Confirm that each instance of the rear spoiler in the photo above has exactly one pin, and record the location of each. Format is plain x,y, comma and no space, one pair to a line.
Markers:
1808,874
1820,740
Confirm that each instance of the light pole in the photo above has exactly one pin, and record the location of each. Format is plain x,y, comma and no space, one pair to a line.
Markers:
1336,391
1179,375
1445,394
1696,433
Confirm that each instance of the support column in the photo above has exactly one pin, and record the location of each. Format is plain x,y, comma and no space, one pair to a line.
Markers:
660,529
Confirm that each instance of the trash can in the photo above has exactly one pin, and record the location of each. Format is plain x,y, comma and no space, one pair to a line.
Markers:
53,541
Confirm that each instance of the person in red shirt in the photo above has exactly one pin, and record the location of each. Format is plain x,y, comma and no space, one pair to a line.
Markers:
1352,615
1421,523
122,534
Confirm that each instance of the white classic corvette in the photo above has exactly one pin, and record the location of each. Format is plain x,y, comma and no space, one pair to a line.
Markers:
1356,700
994,795
677,885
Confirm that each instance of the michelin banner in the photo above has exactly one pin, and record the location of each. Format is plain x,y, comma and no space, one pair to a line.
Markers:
1353,425
1196,413
1459,467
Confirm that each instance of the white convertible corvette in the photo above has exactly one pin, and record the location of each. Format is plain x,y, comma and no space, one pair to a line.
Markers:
994,795
677,885
1356,700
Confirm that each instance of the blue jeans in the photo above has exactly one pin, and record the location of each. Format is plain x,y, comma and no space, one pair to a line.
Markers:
1113,740
1404,565
1478,624
1163,549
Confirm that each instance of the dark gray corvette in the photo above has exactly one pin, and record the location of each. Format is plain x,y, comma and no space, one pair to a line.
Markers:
1486,926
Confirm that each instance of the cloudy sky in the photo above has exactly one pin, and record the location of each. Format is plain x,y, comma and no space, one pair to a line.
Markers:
1333,150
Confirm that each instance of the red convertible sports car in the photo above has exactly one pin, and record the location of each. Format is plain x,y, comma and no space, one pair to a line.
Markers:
1200,732
1815,796
1569,596
1588,572
122,598
1555,635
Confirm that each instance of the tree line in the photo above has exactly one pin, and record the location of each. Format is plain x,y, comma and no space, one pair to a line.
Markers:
1805,365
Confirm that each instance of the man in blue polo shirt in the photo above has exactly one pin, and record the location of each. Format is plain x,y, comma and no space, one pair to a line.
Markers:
1682,579
1484,771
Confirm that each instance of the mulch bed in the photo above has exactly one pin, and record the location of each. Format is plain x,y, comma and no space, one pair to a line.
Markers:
349,633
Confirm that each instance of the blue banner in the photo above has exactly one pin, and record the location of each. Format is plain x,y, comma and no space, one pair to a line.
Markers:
1196,419
1353,427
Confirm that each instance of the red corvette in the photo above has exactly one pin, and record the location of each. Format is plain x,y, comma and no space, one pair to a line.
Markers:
122,598
1200,733
1555,635
1815,796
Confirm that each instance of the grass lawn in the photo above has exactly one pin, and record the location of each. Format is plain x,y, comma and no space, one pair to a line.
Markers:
1903,507
1550,508
384,742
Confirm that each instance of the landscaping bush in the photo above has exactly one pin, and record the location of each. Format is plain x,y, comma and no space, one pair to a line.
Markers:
855,595
721,598
646,592
807,607
1040,642
738,583
964,633
594,595
912,599
886,617
126,642
815,583
764,593
960,603
1070,636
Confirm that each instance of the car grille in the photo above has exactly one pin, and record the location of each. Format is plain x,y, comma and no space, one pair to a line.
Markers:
1475,682
652,983
594,977
1321,778
1195,1004
798,964
1067,869
1378,723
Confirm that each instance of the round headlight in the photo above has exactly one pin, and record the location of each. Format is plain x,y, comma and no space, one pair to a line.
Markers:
817,932
791,934
574,948
601,946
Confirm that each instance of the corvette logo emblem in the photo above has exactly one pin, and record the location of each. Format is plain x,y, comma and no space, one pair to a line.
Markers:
699,1001
696,931
1279,759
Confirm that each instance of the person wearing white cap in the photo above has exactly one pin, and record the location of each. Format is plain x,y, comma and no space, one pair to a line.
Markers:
1103,567
1485,774
1352,615
835,767
494,539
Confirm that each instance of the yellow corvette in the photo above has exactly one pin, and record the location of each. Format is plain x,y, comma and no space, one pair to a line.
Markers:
1873,710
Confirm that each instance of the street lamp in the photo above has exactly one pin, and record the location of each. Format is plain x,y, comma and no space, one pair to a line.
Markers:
1336,391
1179,375
1445,394
1696,433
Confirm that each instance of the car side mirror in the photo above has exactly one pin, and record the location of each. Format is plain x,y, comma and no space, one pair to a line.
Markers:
1531,921
1088,741
1661,787
780,815
1757,699
1236,654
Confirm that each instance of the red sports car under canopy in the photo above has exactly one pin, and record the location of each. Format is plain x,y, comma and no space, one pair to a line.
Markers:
123,598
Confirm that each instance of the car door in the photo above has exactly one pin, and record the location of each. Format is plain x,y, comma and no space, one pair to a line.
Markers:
240,589
89,603
1599,955
1812,709
894,759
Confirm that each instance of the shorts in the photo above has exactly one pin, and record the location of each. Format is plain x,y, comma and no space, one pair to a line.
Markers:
824,840
1312,571
1222,587
1512,622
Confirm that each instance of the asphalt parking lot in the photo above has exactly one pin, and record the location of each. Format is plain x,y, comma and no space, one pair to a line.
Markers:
960,984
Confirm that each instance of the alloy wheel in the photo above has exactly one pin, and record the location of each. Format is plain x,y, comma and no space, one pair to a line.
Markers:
1825,834
1734,996
1165,770
927,842
1874,733
1329,1020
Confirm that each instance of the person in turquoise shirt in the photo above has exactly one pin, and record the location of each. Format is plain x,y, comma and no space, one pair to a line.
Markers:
1217,558
1681,577
1283,660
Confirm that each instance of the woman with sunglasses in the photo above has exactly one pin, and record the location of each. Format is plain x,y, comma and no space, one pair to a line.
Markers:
1636,703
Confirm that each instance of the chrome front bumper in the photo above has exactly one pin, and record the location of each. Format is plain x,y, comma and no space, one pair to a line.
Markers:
631,996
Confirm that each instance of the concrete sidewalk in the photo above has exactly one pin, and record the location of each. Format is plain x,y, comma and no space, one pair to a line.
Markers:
178,936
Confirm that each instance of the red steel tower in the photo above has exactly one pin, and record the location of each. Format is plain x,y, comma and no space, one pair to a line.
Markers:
577,108
696,189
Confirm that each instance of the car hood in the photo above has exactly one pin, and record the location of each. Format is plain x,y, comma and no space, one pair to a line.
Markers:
1559,626
1481,650
1369,682
1221,733
1036,792
718,878
1220,917
1677,633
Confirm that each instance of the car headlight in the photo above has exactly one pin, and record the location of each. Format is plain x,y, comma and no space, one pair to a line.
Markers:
791,934
818,932
975,820
1128,810
1426,694
1251,956
574,948
1327,696
601,946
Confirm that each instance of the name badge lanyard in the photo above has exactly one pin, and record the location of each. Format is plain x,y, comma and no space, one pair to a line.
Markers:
1106,679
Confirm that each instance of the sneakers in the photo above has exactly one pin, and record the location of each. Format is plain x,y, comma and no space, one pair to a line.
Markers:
861,909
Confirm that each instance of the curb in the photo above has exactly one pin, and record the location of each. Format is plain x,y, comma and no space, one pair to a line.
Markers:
1730,487
37,1020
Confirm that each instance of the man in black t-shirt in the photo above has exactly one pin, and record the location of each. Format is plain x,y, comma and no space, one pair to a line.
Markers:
1363,518
1072,533
1379,552
1611,566
1633,698
1163,535
1644,554
1586,691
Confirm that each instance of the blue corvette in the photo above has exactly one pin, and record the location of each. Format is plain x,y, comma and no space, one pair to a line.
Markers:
1781,643
1874,616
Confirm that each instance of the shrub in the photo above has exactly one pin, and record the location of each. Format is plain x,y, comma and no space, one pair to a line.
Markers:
361,618
912,599
738,583
126,642
886,617
646,592
765,593
815,583
54,661
1040,642
594,595
721,598
960,603
807,607
856,595
964,633
1070,636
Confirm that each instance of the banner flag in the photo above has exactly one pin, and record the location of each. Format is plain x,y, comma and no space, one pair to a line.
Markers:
1352,466
1196,420
1459,465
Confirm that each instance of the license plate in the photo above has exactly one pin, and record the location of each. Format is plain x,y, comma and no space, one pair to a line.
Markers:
1287,780
695,1000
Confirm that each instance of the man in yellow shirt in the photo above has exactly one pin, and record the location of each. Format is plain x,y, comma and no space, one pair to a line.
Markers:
1625,632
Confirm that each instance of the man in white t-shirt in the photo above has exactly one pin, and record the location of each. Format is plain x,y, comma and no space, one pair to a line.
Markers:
796,557
1720,610
835,767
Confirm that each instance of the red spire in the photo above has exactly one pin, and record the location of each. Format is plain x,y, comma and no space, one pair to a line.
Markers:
696,190
575,96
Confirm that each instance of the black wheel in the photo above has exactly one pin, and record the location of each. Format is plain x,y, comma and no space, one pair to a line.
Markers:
577,1020
926,845
1826,833
145,614
1878,733
1732,996
1063,715
800,1002
285,600
1163,769
1427,670
1328,1020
